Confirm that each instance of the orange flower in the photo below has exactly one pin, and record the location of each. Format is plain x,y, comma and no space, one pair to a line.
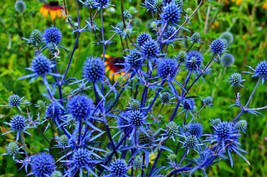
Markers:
215,25
113,65
264,5
53,9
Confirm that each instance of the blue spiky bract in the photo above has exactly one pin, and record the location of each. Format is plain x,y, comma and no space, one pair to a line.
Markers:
194,60
189,104
195,38
217,46
236,79
94,69
118,168
261,70
52,35
17,123
195,129
166,67
41,64
142,38
223,130
149,4
80,106
81,157
167,2
53,111
208,101
171,14
123,121
14,100
136,117
165,97
43,165
150,49
13,148
102,2
133,61
169,33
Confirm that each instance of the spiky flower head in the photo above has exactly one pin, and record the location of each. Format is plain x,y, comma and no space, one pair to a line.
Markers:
185,128
195,38
102,2
135,105
43,165
145,138
208,101
14,100
165,97
89,4
168,34
158,6
12,149
94,69
52,47
172,129
181,57
223,130
36,37
17,123
80,106
136,117
190,141
123,121
189,104
150,49
261,70
167,67
227,60
56,174
236,79
118,168
228,36
179,3
41,64
217,46
133,61
20,6
241,125
81,157
215,121
194,60
53,111
127,14
195,129
171,13
63,141
138,162
40,104
52,35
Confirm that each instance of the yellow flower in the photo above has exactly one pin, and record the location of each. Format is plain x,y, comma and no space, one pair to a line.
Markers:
53,9
264,5
215,25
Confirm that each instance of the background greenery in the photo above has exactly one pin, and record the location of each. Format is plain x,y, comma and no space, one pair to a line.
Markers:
245,19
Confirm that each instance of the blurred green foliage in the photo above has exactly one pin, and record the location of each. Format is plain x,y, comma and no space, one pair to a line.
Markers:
245,19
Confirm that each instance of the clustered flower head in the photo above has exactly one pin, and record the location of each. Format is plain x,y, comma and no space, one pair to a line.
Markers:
133,61
80,106
208,101
36,37
217,46
195,129
194,60
228,37
145,138
94,69
261,70
53,111
195,38
236,79
171,13
142,38
227,60
166,68
52,35
20,6
165,97
118,168
14,100
42,165
150,49
41,65
136,117
189,104
182,56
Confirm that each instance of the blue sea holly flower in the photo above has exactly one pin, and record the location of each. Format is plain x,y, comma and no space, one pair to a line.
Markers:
142,38
94,69
52,35
227,60
167,68
80,106
171,14
260,71
18,124
145,138
133,62
168,34
102,2
118,168
195,129
189,104
150,49
241,125
89,3
42,165
217,46
194,60
13,150
54,111
36,38
167,2
40,66
15,101
207,101
195,38
149,4
236,80
228,37
83,159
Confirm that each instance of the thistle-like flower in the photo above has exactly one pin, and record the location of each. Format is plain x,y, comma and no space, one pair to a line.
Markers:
20,6
171,14
194,60
167,68
236,80
142,38
150,49
52,35
13,150
228,36
195,129
207,101
195,38
260,71
217,46
94,69
43,165
227,60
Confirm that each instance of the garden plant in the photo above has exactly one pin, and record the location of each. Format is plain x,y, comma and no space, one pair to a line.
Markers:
152,88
